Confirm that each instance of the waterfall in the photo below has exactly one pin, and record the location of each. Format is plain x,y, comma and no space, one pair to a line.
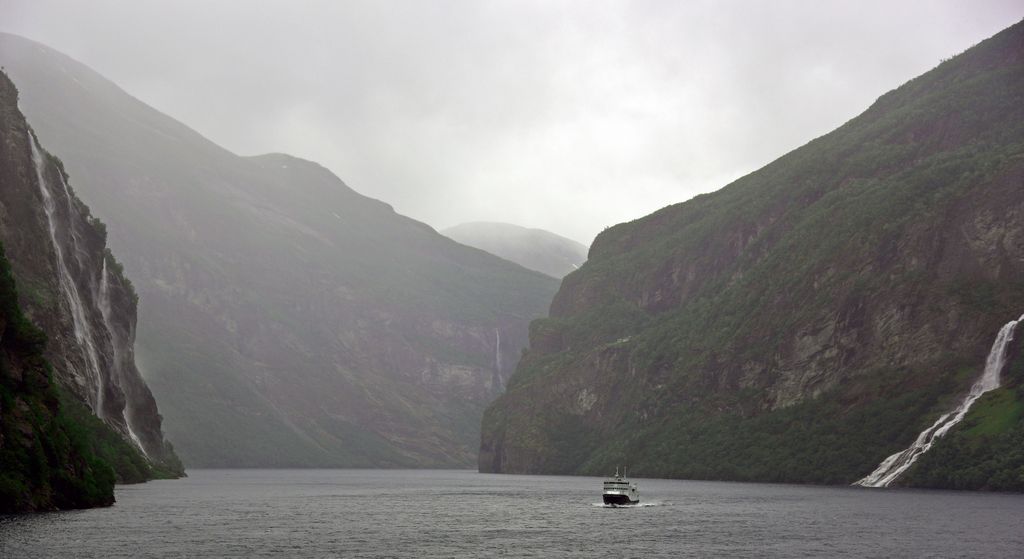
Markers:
893,467
497,382
106,311
497,350
68,288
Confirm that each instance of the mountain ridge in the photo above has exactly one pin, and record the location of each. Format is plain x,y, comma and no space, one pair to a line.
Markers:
285,319
846,291
536,249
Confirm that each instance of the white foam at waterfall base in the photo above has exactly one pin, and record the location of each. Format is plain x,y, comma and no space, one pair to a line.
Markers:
894,466
68,288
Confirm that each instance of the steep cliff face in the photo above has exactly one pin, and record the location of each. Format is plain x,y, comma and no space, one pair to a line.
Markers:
72,287
286,320
803,322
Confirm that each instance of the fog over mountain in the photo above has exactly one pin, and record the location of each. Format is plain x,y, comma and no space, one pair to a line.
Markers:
569,117
285,319
535,249
401,278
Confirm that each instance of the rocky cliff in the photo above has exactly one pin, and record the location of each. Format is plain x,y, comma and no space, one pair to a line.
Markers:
286,320
73,289
803,322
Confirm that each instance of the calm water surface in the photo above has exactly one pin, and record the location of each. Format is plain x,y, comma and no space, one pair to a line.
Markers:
387,513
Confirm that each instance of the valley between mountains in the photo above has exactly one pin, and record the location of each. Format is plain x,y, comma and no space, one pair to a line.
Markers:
846,314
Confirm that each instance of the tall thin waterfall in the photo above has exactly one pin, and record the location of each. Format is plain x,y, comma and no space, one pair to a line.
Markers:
106,310
68,288
893,467
497,350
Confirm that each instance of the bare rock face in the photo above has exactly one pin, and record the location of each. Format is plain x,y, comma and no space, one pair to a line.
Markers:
73,288
817,311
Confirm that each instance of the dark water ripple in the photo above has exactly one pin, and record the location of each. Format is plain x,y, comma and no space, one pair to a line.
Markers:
381,513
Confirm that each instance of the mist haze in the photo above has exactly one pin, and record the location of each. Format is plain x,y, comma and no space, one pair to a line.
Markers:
569,117
308,263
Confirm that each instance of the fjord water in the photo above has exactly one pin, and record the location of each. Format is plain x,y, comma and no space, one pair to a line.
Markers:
402,513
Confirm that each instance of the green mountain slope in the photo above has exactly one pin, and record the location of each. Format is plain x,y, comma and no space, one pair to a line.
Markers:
285,320
803,322
535,249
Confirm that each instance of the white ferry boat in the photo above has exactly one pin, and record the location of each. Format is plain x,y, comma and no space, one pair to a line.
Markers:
618,491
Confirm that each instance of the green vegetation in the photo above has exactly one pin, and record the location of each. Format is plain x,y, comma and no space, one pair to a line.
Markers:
815,441
805,321
45,460
127,462
986,450
116,269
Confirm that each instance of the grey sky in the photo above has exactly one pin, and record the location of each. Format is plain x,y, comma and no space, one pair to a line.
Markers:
569,116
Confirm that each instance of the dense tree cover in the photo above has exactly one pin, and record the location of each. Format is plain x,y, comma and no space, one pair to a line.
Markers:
46,459
816,441
128,463
986,450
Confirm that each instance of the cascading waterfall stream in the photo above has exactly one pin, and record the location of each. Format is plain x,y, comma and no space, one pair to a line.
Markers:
83,330
893,467
497,381
497,350
106,311
76,239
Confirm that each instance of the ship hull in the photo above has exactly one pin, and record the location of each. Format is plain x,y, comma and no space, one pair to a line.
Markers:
619,500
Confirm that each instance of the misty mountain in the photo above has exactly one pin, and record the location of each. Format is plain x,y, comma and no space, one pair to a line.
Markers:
285,319
809,319
535,249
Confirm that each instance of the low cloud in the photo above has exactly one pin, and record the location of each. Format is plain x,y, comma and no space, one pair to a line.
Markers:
570,116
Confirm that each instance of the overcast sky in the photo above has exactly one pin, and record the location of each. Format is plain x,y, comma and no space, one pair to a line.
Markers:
569,116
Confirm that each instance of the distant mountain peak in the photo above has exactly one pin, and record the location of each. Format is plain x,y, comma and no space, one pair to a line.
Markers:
536,249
